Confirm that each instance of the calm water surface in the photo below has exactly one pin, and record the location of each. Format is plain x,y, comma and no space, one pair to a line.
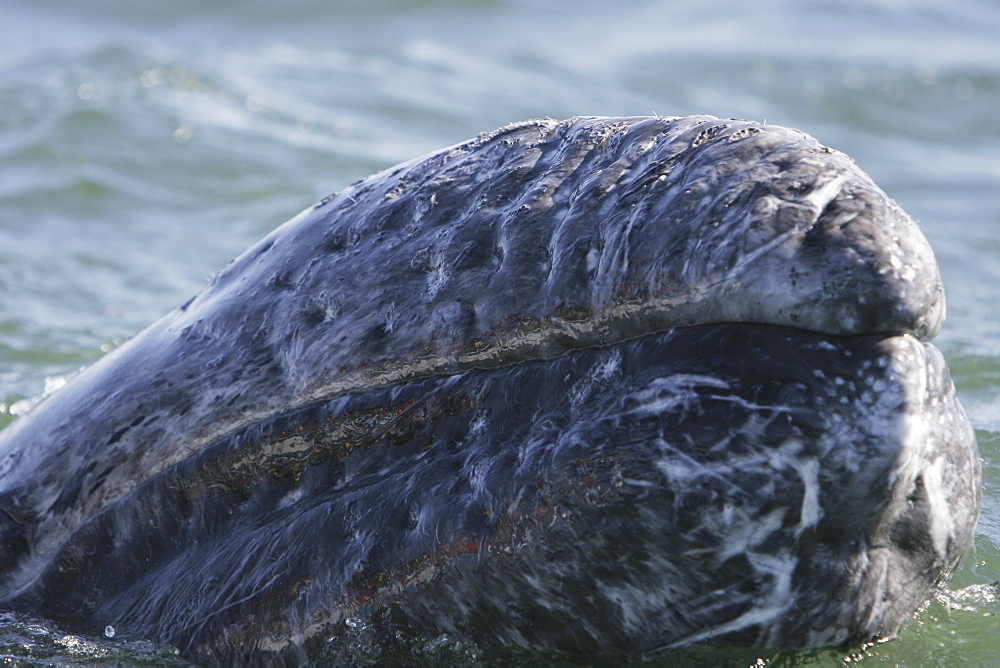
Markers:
143,145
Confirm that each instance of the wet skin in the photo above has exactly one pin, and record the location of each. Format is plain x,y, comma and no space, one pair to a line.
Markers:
604,385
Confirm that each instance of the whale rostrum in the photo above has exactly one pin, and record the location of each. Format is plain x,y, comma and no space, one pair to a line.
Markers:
679,365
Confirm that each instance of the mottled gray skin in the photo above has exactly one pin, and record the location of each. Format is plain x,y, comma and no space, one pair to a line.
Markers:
520,245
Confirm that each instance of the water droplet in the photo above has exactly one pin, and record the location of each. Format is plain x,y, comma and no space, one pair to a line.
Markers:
256,103
183,134
109,631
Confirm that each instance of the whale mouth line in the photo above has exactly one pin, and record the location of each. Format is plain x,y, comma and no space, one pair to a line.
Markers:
484,360
547,339
248,442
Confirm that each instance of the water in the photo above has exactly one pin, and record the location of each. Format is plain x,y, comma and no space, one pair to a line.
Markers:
144,145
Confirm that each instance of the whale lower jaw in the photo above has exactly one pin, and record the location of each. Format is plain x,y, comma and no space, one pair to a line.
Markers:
707,485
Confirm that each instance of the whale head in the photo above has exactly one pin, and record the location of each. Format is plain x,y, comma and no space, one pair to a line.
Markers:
501,359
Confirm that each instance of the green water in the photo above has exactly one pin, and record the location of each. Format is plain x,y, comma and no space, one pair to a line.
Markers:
143,145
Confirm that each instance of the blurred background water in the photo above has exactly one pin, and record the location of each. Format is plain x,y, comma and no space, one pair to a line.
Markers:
143,145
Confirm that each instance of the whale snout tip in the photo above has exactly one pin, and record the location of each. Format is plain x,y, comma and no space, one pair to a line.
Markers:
928,322
887,315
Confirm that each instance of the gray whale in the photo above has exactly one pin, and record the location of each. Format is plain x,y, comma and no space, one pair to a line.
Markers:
607,385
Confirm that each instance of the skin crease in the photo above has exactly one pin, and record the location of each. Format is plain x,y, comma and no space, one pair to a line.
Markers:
468,268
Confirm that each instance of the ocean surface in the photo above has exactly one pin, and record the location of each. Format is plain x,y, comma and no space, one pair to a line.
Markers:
143,145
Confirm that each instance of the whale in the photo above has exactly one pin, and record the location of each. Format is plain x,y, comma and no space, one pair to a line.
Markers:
603,386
